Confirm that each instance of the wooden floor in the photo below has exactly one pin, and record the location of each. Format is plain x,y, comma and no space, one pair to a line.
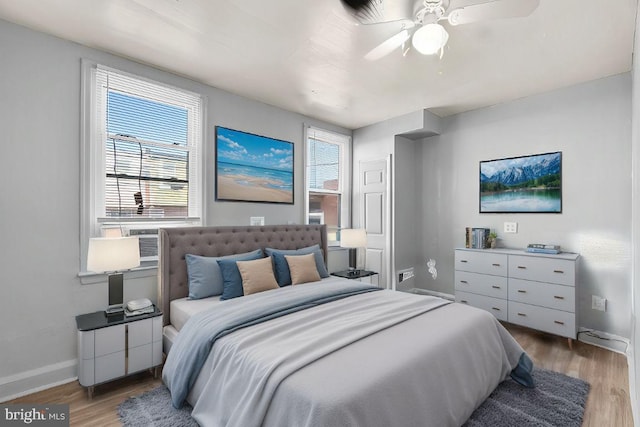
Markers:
606,371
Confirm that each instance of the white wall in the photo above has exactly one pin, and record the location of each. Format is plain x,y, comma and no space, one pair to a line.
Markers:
591,124
40,292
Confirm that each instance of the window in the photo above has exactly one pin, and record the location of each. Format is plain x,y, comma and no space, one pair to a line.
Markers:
328,181
142,144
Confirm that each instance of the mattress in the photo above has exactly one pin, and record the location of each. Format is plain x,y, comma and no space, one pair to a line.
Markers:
182,309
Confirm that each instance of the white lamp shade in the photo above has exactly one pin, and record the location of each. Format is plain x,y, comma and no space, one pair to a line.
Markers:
353,238
113,254
430,38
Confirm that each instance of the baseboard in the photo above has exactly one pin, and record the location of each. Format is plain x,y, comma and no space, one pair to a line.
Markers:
421,291
605,340
35,380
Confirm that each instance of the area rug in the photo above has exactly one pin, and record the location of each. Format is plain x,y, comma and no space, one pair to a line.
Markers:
556,401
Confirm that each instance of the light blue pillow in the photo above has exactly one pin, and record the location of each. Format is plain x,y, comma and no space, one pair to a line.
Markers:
281,268
231,277
205,278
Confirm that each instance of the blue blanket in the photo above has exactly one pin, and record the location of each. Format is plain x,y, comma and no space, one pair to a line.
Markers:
194,342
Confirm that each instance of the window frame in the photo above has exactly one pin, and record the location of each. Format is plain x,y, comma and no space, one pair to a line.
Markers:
92,164
344,190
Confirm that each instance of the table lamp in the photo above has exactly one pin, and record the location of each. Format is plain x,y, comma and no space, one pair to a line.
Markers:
353,238
113,255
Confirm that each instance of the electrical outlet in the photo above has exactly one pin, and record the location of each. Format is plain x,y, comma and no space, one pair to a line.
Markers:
405,274
598,303
510,227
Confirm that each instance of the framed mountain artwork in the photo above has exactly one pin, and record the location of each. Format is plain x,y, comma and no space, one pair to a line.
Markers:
525,184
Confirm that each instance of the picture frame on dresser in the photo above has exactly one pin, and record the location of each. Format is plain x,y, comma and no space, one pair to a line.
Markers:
534,290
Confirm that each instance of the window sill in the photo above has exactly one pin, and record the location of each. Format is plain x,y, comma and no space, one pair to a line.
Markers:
90,278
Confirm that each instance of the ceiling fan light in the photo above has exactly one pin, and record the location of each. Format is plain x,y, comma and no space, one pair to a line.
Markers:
430,38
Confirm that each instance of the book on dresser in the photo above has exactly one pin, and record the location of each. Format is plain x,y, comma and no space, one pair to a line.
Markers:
476,237
535,290
543,249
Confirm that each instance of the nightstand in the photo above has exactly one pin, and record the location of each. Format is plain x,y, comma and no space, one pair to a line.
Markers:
111,347
361,275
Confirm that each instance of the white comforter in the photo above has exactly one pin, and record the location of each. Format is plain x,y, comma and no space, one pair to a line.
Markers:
377,359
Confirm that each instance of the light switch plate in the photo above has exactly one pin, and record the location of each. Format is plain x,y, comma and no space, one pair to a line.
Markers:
510,227
256,220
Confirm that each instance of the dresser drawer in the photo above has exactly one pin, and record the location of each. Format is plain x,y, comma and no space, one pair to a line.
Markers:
544,319
558,297
482,284
481,262
542,269
495,306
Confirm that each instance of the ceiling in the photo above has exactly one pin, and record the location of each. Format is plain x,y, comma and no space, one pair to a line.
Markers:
307,56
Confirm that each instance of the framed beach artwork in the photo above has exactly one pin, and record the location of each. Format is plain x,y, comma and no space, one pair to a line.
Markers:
253,168
526,184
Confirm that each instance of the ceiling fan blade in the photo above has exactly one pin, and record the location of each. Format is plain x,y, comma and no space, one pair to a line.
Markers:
379,11
388,46
498,9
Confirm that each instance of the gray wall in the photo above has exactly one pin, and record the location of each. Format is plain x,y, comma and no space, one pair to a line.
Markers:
634,365
591,124
407,205
40,291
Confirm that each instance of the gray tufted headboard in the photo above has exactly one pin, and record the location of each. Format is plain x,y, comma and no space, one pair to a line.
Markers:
175,243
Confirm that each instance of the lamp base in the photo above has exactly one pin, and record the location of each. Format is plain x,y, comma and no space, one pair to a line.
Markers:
115,295
114,310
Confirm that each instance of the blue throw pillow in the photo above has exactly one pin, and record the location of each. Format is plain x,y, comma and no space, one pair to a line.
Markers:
231,278
205,278
283,275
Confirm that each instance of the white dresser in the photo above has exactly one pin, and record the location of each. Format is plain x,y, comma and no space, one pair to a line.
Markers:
115,346
533,290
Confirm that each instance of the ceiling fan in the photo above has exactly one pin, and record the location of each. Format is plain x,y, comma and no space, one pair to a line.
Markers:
428,35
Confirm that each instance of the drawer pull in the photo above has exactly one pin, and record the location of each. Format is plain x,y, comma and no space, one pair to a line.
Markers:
522,314
558,297
463,281
495,308
463,260
522,291
522,267
558,322
495,287
496,265
464,301
558,271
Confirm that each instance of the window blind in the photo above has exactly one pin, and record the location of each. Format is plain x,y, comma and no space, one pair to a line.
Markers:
324,160
151,137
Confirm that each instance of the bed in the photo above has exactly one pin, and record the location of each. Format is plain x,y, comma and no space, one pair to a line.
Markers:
330,352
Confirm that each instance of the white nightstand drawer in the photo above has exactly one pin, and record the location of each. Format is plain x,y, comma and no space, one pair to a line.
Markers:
495,306
157,329
140,358
482,284
157,353
110,366
86,344
542,269
481,262
544,319
110,340
140,332
558,297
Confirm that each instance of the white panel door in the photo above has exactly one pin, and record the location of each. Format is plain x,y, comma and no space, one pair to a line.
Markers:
376,216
